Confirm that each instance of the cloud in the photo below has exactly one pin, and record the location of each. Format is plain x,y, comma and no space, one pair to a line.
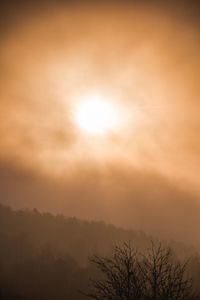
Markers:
143,57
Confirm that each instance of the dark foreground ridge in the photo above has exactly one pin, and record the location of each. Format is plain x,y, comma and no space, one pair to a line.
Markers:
46,257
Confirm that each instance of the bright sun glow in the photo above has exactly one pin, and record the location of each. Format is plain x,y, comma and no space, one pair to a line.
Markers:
95,115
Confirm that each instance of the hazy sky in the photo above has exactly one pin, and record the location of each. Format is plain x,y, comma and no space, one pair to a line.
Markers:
144,59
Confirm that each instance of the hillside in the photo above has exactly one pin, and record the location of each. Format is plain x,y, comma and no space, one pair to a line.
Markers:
43,256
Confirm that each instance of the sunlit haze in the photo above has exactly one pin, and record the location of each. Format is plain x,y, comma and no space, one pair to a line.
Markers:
96,115
100,112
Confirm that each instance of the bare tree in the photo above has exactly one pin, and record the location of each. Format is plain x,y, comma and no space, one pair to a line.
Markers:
120,278
129,275
164,277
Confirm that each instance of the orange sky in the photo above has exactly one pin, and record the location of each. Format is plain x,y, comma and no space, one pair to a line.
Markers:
145,61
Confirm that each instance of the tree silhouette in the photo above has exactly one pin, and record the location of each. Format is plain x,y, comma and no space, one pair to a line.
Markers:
129,275
164,277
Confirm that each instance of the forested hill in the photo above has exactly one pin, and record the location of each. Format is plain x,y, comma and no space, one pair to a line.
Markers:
26,231
45,257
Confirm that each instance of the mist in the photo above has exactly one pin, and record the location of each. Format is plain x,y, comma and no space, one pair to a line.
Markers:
142,57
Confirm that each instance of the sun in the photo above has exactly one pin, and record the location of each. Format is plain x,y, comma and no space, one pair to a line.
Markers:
95,115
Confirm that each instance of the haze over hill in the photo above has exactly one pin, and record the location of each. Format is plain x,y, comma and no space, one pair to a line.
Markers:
46,257
33,230
99,145
140,57
132,199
